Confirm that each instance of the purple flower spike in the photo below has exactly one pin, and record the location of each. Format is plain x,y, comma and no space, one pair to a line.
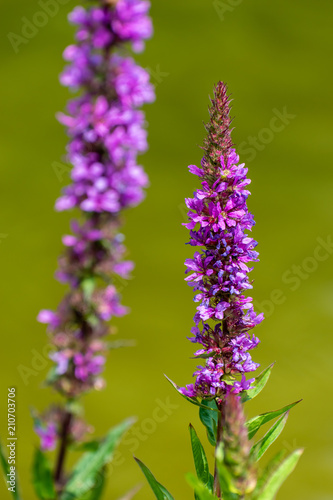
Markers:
218,222
107,132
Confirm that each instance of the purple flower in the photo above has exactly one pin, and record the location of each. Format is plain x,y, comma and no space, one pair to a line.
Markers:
108,304
48,436
87,365
48,317
242,385
131,22
131,83
61,359
218,222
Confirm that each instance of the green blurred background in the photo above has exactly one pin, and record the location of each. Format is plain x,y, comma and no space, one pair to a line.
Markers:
274,55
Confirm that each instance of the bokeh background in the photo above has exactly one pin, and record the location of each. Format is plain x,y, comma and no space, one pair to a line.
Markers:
276,58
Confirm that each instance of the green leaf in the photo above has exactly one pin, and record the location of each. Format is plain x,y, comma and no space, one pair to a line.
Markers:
160,492
268,471
87,446
277,478
86,470
51,376
261,446
201,490
257,385
96,492
199,455
209,419
130,494
255,423
194,401
211,483
6,469
42,478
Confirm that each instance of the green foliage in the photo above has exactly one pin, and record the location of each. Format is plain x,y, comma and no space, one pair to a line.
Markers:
276,475
235,458
5,468
89,467
202,491
160,492
42,478
262,446
257,385
199,456
87,446
268,470
255,423
209,419
96,492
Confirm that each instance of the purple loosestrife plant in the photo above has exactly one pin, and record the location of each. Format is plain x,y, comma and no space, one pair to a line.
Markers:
106,132
219,223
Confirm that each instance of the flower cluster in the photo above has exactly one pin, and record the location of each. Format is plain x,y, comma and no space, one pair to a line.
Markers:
48,426
218,222
106,134
105,127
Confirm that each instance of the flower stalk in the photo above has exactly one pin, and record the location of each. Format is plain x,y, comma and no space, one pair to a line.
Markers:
106,132
219,222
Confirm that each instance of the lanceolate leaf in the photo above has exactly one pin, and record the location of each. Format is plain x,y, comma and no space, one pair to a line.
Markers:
200,459
261,446
6,469
277,478
96,492
42,477
270,468
160,492
255,423
257,385
201,490
194,401
86,470
209,419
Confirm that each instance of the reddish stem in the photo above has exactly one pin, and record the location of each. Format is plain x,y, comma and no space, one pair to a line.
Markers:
59,470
